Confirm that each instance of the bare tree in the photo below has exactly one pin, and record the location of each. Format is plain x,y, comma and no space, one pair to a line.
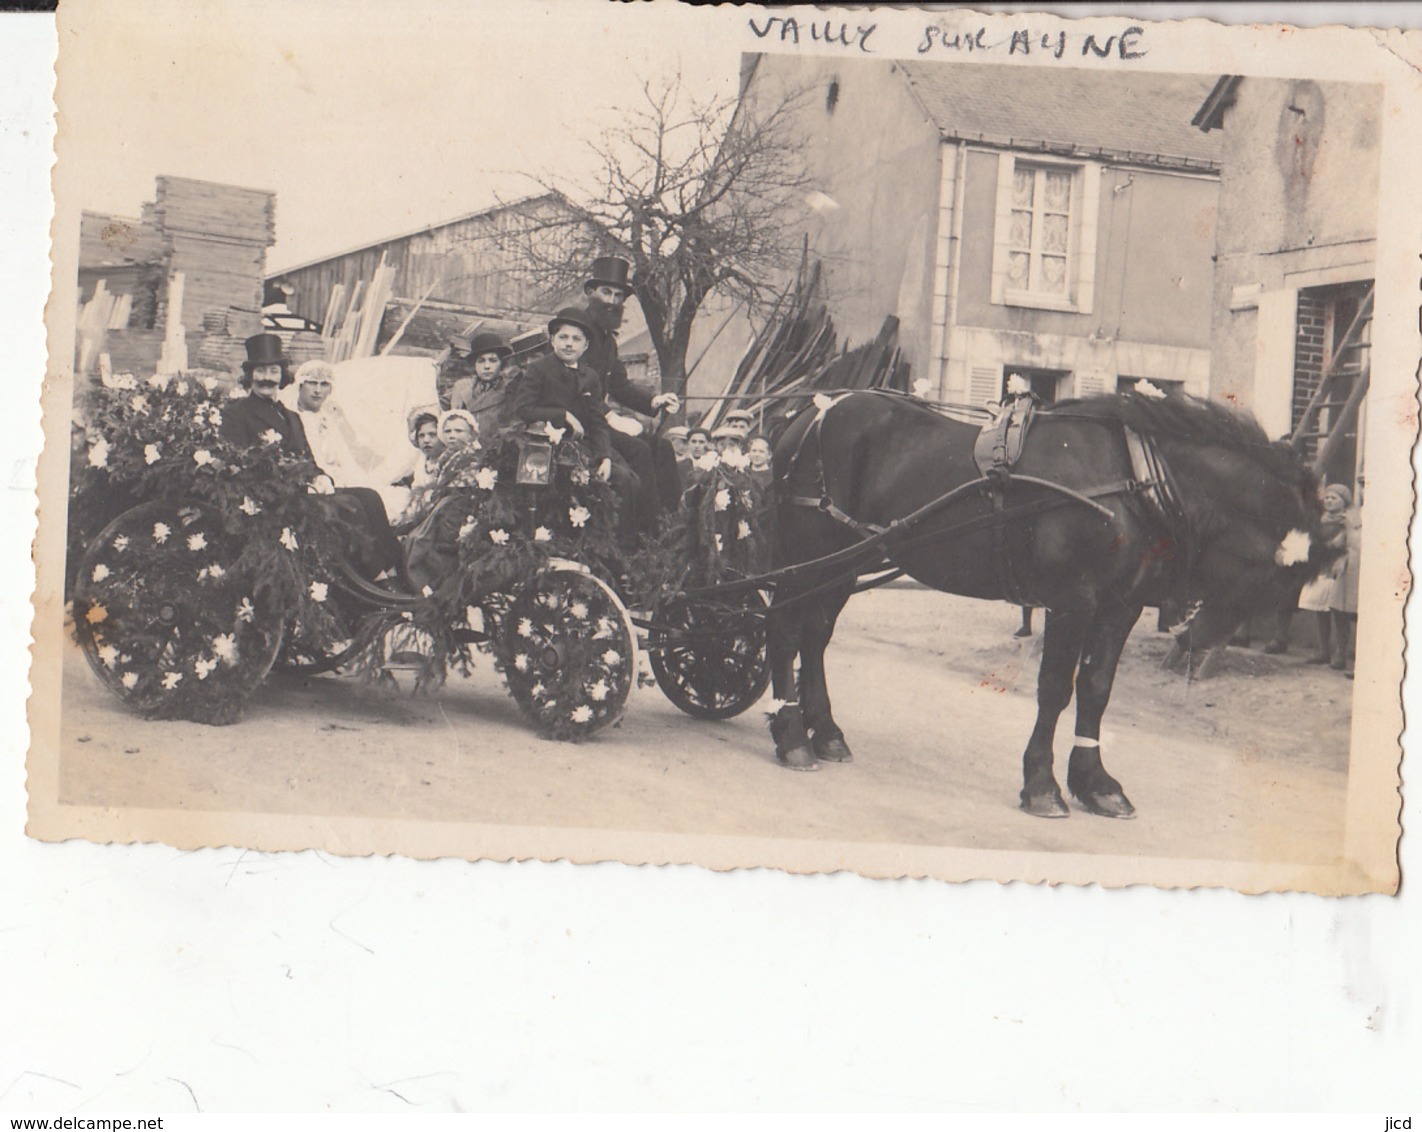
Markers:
700,197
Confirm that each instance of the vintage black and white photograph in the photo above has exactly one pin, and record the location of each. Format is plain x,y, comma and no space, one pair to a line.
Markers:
941,446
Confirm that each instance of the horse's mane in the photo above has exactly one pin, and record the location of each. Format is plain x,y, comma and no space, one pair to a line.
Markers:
1196,422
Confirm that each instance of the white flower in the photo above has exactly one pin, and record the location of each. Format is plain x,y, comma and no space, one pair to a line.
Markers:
743,531
215,416
922,387
203,667
99,453
707,461
426,591
599,691
521,662
553,434
736,459
580,476
525,627
772,708
581,714
579,516
538,689
318,591
224,645
157,381
271,436
1293,549
246,611
612,658
125,381
578,609
171,680
1146,389
100,572
181,389
121,543
288,539
249,506
130,680
215,571
96,614
542,534
499,537
197,541
485,478
161,531
152,453
723,499
719,545
202,456
209,383
468,529
109,655
139,403
604,628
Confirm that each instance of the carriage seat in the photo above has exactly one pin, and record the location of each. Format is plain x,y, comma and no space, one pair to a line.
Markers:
999,444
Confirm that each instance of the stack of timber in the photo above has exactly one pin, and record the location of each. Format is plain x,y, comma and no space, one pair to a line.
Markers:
429,325
352,324
797,355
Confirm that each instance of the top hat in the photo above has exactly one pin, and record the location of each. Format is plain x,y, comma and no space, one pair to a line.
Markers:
264,350
573,316
488,344
610,271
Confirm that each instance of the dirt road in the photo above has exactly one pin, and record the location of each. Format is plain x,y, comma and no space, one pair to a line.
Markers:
934,694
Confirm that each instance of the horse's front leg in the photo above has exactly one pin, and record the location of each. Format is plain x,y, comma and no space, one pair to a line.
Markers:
816,629
1061,648
783,633
1087,778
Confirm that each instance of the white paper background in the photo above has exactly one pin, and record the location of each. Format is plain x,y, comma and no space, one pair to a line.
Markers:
140,978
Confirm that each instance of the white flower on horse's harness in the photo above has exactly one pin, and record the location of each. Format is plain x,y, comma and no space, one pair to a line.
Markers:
99,453
139,403
1146,389
599,691
706,462
249,506
171,680
743,531
723,499
152,453
96,614
288,539
521,662
499,537
224,646
271,436
121,543
486,478
736,459
579,516
202,456
542,534
109,655
581,714
553,434
612,658
197,541
525,627
100,572
246,611
318,591
130,680
1293,549
578,609
161,531
203,667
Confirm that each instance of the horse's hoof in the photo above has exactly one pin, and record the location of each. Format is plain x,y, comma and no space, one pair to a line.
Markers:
833,750
1045,805
1107,805
797,758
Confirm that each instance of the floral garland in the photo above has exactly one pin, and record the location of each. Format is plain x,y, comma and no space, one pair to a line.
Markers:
180,606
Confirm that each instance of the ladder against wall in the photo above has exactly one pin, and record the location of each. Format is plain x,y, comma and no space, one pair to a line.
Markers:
1331,416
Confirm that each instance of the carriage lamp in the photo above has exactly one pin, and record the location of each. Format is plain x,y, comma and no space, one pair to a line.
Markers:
535,462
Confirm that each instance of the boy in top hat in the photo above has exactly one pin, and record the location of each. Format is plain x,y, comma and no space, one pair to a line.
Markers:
483,394
652,459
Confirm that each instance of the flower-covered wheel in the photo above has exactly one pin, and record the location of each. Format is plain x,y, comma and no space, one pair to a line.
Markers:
568,652
709,658
164,620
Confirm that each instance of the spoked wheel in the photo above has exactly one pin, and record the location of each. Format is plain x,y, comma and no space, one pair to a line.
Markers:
569,652
709,658
163,621
303,655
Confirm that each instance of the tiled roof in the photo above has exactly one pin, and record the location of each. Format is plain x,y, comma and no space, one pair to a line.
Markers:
1143,115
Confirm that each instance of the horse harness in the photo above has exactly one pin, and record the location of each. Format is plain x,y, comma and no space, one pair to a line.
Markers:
997,450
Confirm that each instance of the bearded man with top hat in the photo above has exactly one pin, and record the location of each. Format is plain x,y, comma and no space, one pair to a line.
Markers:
651,457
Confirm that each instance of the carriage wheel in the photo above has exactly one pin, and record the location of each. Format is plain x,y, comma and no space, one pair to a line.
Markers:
568,652
710,659
302,657
164,622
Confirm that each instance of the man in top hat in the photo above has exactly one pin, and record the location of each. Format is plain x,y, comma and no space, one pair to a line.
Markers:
247,420
652,458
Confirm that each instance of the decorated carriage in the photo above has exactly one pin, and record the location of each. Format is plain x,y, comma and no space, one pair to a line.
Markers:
198,567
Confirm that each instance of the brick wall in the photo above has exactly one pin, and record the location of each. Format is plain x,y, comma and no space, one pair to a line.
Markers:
1309,329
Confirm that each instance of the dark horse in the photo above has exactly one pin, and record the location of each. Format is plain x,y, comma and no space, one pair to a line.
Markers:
1225,524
